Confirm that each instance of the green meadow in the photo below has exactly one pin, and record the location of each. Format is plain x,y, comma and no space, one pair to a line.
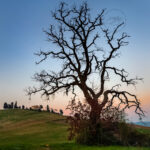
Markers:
31,130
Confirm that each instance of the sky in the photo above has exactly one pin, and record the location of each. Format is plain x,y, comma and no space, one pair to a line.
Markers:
21,35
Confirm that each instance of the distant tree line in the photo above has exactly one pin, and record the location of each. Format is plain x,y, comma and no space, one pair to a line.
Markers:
38,108
48,109
13,105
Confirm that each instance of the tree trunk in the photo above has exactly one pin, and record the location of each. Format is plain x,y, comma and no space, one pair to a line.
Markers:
95,123
95,112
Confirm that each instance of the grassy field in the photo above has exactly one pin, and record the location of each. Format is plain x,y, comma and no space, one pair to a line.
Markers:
30,130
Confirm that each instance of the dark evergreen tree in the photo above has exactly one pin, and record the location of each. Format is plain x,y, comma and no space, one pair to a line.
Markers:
61,112
40,109
12,105
23,107
41,106
5,105
15,106
47,108
52,111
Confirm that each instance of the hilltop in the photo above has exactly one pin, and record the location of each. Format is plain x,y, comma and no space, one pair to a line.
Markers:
25,129
32,130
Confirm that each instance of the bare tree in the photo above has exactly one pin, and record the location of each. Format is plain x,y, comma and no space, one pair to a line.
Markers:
77,39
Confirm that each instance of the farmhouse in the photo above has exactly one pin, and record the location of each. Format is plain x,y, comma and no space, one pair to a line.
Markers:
36,107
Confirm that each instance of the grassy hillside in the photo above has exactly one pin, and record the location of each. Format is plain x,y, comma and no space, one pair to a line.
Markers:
30,130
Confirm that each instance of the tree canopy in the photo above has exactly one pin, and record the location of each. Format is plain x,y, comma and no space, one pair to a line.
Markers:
77,37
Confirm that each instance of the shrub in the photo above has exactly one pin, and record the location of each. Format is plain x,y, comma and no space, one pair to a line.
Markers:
81,128
111,128
132,137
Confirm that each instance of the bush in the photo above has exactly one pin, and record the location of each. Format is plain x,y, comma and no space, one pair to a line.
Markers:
138,139
129,135
85,132
124,131
102,134
108,133
111,129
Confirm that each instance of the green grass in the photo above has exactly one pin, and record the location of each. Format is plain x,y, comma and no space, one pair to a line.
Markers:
144,130
31,130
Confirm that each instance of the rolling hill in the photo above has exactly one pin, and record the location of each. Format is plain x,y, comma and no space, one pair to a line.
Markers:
31,130
145,123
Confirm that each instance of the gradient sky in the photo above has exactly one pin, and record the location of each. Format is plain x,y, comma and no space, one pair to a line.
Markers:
21,25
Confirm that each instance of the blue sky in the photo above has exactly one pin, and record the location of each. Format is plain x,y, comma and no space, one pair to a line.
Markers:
21,25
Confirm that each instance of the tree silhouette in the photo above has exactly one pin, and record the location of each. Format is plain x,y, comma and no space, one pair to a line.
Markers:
23,107
12,105
77,39
47,108
15,105
61,112
5,105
